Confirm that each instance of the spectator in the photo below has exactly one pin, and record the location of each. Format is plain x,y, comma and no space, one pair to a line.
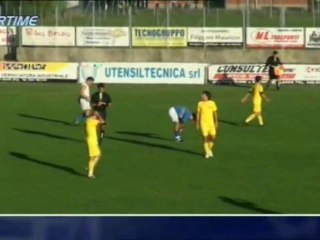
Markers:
12,45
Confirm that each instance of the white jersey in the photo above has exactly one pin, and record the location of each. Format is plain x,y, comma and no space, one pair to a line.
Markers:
85,105
86,89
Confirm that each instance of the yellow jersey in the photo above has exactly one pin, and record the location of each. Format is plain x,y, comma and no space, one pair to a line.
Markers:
91,129
206,109
256,92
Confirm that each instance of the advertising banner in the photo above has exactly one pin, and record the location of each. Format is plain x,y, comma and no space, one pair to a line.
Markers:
154,73
39,70
159,37
48,36
243,73
7,34
312,38
275,37
103,36
225,37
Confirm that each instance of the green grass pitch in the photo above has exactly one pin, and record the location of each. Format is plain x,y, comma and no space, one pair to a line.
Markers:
274,169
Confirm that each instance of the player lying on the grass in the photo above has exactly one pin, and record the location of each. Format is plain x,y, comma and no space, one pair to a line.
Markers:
84,99
100,101
93,121
257,94
179,116
207,122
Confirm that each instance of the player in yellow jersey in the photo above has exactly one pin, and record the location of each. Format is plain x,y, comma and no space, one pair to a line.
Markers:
257,94
207,122
93,121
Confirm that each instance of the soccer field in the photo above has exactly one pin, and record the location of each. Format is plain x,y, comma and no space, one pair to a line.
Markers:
274,169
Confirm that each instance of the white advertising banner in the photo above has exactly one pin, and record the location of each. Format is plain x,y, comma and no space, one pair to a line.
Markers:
243,73
312,38
103,36
48,36
226,37
275,37
39,70
156,73
7,34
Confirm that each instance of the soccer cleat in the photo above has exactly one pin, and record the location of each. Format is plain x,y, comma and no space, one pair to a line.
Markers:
92,177
210,154
207,156
178,139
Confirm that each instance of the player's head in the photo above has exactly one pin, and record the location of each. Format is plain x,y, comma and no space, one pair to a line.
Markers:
101,87
258,78
205,95
275,53
89,80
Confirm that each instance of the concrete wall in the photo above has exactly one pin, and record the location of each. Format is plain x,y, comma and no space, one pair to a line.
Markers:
208,55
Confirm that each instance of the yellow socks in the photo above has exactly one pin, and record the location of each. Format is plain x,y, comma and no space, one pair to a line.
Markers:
250,118
207,148
260,119
211,144
91,167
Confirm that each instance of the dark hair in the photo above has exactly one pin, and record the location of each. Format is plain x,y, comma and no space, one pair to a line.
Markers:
90,79
207,93
275,52
194,116
101,85
258,78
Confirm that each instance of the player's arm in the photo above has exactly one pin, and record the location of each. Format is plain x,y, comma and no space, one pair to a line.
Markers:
265,97
94,100
109,100
215,118
98,116
245,98
82,93
198,118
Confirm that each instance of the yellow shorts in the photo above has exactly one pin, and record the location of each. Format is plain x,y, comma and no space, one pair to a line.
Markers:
93,149
208,131
257,107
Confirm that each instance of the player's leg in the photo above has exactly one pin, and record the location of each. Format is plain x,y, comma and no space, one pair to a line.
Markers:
255,111
250,118
269,82
94,153
176,126
211,141
260,119
205,139
180,130
85,106
102,127
80,118
277,83
95,161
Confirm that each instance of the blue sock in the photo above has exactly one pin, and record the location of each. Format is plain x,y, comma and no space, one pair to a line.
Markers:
80,118
177,135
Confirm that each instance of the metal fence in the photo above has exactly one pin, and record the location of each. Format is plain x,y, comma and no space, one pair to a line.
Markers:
132,13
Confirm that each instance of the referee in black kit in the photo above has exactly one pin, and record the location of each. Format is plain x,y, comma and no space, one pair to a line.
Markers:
100,101
273,62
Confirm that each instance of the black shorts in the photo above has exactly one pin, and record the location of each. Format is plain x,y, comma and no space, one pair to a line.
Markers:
103,114
272,75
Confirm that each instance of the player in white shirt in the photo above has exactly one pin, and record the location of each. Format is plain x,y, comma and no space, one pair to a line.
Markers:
84,99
